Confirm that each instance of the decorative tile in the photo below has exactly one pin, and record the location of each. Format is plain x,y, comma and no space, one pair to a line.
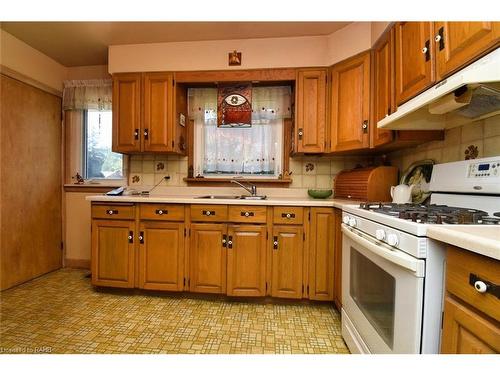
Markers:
324,181
491,146
62,313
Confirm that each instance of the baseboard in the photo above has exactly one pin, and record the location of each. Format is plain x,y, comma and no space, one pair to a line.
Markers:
77,263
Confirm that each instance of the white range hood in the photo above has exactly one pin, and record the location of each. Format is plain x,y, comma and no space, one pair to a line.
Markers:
472,93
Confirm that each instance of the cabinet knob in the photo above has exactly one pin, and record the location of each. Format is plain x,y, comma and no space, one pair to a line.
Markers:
112,212
364,126
437,38
288,216
300,133
481,286
424,50
136,134
247,214
208,213
146,134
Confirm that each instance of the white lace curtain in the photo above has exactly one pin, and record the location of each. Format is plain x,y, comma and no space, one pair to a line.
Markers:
93,94
240,151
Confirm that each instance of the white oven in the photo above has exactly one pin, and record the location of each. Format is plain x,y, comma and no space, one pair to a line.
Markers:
382,295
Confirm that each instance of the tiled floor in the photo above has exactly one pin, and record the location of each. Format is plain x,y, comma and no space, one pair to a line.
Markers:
62,313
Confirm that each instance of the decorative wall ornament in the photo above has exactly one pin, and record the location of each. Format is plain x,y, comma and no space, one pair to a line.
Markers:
160,166
471,152
234,108
234,58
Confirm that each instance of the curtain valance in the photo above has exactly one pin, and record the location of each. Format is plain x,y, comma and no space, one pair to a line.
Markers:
93,94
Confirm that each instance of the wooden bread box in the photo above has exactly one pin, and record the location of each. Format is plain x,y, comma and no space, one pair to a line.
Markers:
367,184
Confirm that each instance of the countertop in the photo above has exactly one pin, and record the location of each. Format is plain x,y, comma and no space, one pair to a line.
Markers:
483,240
190,199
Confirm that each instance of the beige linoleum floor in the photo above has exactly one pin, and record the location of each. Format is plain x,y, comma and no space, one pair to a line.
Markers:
62,313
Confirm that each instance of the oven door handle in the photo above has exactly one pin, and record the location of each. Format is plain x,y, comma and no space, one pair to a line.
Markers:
394,256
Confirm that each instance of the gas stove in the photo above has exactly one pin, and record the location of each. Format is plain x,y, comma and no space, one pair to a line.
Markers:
433,214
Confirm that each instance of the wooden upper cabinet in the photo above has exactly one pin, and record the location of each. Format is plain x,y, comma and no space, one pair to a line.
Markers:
350,103
158,129
161,255
287,261
383,87
321,254
310,127
207,258
246,260
457,43
127,112
113,259
414,59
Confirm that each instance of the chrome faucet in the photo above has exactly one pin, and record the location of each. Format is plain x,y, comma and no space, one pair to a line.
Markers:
252,189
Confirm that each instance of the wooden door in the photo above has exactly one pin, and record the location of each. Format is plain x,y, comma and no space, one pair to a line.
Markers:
337,262
113,258
127,112
158,129
161,255
246,260
350,103
287,261
30,182
414,59
458,43
207,257
311,110
468,332
321,254
383,87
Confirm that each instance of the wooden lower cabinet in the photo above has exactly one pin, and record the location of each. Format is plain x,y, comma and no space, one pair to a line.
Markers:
113,247
321,254
337,263
287,261
467,332
161,255
246,260
207,258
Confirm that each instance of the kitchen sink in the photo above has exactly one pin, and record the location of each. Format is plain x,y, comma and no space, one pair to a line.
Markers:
246,197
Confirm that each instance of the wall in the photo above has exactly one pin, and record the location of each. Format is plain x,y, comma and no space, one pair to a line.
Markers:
483,135
348,41
377,28
21,58
148,170
87,72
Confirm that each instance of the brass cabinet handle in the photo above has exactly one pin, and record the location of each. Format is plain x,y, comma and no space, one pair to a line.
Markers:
230,242
161,212
484,286
364,126
146,134
136,134
130,237
439,38
427,50
207,213
224,240
288,215
246,213
141,237
275,243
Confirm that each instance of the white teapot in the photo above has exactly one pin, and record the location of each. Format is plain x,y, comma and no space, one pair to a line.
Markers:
401,193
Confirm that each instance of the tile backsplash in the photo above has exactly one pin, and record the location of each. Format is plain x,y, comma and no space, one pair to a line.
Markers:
478,139
307,172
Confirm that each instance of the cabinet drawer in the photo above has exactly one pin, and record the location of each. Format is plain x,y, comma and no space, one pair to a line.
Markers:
462,268
247,214
288,215
206,212
113,211
167,212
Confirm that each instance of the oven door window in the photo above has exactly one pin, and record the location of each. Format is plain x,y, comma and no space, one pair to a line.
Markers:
374,291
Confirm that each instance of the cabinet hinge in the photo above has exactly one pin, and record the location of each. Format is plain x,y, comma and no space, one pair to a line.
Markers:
309,217
184,283
267,235
304,236
442,319
266,287
185,232
62,245
173,144
308,290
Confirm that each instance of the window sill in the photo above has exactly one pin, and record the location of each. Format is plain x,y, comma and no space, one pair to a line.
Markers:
227,181
92,188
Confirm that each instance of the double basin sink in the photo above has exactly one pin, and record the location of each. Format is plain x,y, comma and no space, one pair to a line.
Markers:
245,197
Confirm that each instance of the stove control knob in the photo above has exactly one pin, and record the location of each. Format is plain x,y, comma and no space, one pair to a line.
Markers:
345,219
392,239
380,234
352,222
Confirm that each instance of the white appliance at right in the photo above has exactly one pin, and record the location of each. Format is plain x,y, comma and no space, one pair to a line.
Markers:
393,274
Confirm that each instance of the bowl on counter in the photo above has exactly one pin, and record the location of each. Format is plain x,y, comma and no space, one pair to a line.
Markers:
319,193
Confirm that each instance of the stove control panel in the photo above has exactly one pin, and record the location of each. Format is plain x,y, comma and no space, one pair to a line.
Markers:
484,170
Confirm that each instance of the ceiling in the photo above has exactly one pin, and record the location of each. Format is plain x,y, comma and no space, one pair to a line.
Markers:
86,43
